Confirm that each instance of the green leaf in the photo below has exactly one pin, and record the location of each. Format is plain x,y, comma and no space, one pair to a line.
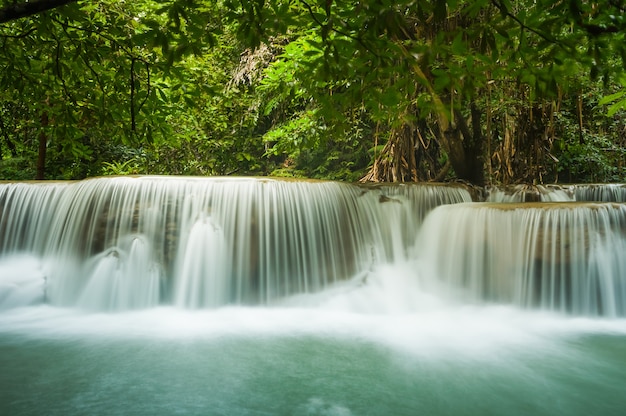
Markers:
458,45
612,97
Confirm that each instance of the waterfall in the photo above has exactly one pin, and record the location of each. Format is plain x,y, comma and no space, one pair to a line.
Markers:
25,212
601,192
557,193
161,295
136,242
203,266
566,257
527,193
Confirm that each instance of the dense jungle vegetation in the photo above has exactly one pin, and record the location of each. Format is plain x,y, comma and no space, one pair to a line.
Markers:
485,91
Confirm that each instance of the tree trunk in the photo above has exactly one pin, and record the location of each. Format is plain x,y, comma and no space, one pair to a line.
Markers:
474,145
7,140
465,147
43,145
464,144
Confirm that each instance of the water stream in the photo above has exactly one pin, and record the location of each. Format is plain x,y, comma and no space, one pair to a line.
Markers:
165,296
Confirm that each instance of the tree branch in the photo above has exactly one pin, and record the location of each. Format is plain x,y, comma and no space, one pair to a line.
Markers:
128,51
148,87
20,36
500,6
332,27
133,123
20,10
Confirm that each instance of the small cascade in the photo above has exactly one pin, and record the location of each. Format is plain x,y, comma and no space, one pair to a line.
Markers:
135,242
600,192
557,193
530,193
203,267
26,212
564,257
402,207
125,277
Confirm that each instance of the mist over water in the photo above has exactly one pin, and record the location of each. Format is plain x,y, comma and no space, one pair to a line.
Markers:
345,351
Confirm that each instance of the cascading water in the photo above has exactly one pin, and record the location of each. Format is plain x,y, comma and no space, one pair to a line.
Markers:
126,243
239,296
600,192
203,266
137,242
527,193
25,211
566,257
557,193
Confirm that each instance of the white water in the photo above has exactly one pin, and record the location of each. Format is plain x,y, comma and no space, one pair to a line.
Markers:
203,267
525,193
560,257
134,243
22,282
558,193
387,308
374,345
600,192
126,243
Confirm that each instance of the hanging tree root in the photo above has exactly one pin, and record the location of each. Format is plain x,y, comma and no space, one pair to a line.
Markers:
399,160
396,162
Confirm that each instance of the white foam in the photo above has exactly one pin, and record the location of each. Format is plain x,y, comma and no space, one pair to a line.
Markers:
367,310
22,281
319,407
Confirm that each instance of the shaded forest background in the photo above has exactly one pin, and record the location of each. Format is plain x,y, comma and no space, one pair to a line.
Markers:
496,91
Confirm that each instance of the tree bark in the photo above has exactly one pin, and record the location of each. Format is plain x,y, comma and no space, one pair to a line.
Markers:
43,145
20,10
7,139
473,147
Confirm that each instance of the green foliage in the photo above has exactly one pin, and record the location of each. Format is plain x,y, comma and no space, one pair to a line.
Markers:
595,151
17,168
130,167
94,72
302,131
617,100
303,88
597,159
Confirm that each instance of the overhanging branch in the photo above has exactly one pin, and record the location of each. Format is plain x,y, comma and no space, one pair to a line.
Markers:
19,10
